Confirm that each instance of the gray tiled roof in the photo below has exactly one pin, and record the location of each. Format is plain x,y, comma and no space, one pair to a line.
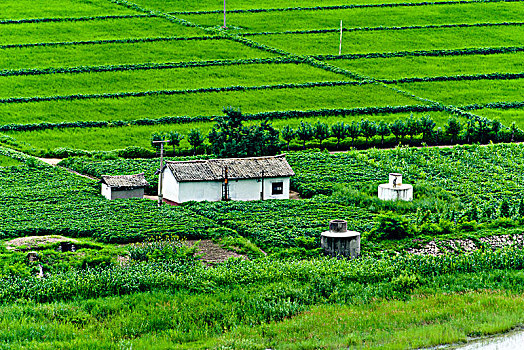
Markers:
237,168
125,181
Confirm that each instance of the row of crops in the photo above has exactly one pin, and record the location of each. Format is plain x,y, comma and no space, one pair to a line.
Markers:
38,199
456,185
119,60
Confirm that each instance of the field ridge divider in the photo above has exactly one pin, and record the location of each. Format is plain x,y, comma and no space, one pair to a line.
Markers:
110,41
341,7
224,34
179,92
431,53
382,28
466,77
70,19
145,66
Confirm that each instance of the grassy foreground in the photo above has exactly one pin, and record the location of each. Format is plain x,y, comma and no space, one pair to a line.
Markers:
418,322
176,322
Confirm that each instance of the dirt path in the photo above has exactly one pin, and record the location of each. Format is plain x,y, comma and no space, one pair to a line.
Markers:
213,253
50,161
55,161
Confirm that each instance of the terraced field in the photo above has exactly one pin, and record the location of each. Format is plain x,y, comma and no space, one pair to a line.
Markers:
119,60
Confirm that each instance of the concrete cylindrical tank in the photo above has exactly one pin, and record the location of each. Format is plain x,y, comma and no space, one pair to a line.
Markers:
395,190
338,241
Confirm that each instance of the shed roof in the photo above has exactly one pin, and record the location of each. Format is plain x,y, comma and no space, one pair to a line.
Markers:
237,168
125,181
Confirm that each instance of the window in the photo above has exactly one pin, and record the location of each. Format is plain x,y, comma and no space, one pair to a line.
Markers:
277,188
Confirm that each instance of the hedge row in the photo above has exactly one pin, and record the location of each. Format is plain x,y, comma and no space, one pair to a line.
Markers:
145,66
112,41
431,53
380,28
339,7
491,76
69,19
179,92
495,105
188,119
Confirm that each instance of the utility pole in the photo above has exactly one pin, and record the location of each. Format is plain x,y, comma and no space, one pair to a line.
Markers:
160,174
262,192
340,47
224,15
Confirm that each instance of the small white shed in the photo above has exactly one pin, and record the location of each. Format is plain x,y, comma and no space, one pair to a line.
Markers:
123,186
242,179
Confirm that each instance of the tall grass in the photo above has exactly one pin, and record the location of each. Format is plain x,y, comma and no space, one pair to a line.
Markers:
203,104
469,92
363,17
121,28
404,40
206,5
163,79
417,323
58,8
86,55
505,116
426,66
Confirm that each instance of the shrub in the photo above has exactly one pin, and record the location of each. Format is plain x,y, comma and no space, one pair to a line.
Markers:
391,226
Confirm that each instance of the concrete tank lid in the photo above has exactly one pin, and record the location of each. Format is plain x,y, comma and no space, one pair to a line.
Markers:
346,234
397,188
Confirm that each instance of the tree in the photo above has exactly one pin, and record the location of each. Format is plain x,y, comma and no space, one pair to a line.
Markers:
383,130
321,131
288,134
483,128
470,128
426,127
174,139
453,128
195,139
156,136
262,140
305,132
353,131
412,126
230,138
368,129
399,129
340,131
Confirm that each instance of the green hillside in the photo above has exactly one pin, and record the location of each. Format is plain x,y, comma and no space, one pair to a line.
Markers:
107,60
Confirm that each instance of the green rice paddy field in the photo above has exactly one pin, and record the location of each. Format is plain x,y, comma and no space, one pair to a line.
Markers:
52,54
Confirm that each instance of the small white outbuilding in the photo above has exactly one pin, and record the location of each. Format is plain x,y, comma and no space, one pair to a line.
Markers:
123,186
241,179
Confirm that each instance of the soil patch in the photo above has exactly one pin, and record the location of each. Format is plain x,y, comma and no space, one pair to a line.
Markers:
212,253
35,241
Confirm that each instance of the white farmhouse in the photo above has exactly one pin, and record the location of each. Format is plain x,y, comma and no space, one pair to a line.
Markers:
123,186
242,179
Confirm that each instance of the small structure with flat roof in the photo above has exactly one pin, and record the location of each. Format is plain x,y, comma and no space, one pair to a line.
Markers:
123,186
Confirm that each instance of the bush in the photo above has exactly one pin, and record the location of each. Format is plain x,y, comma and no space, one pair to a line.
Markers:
391,226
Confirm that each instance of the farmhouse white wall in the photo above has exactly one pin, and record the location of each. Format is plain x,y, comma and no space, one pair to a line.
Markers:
170,186
122,194
200,191
268,188
106,191
243,190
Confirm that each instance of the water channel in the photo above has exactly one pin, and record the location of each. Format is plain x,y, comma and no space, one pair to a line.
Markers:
510,341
